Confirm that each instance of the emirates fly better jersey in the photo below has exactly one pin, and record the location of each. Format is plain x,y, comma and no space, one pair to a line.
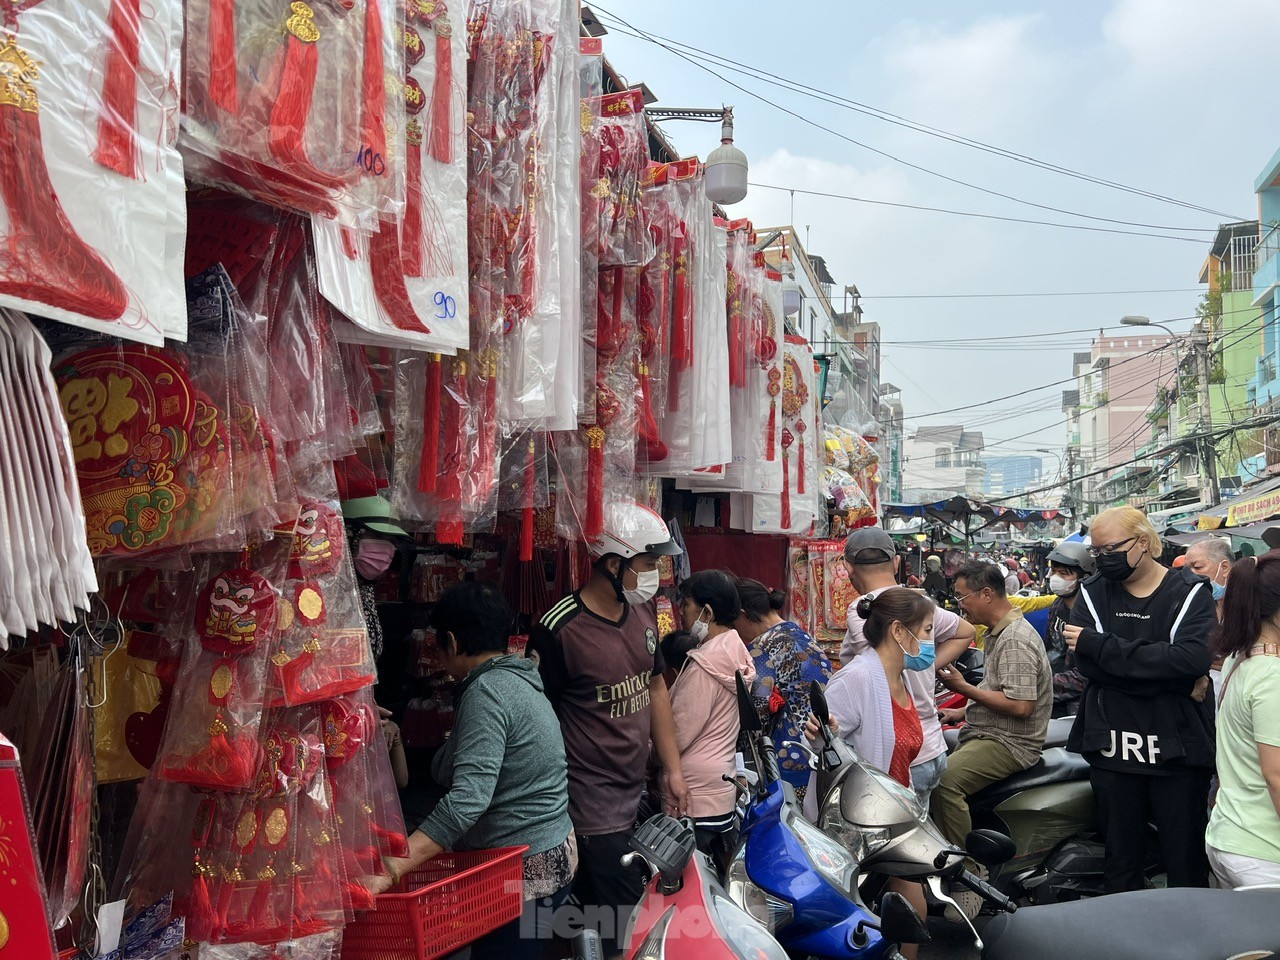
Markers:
597,674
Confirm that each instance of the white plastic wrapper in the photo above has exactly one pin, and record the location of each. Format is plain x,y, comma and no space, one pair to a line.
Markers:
801,503
46,572
87,165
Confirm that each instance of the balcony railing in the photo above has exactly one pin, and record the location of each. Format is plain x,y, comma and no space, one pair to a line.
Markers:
1268,246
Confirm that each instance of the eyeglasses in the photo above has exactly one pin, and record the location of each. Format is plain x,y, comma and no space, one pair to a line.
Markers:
967,596
1111,548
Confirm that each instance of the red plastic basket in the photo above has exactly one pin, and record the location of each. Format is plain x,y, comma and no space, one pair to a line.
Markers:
445,904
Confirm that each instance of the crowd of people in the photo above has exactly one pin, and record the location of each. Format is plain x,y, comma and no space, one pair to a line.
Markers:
605,720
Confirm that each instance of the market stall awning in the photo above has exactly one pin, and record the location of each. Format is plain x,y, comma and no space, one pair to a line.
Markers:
969,517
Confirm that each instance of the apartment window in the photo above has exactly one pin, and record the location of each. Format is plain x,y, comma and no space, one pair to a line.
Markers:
942,457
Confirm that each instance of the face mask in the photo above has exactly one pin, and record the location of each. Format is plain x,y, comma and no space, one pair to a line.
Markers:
1219,590
918,661
1116,566
1063,586
699,629
373,557
646,587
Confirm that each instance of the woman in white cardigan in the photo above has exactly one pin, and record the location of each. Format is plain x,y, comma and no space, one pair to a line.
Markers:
870,705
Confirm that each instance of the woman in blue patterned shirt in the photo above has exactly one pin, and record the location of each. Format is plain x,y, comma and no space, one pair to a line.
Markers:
787,660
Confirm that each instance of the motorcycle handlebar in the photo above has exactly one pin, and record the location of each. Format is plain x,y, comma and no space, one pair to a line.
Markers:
987,892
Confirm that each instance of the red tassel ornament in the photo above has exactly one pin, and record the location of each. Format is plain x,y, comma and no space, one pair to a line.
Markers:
388,278
117,123
770,434
286,135
785,519
800,458
595,483
441,142
411,224
43,260
530,494
224,83
373,129
427,461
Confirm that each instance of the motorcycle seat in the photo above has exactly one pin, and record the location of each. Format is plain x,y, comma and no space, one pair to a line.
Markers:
1055,765
1171,924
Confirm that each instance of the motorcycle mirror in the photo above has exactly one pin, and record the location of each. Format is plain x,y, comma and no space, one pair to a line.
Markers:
586,946
748,719
818,703
990,847
899,922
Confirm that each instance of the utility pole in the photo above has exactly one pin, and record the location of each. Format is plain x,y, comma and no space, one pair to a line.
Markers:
1208,452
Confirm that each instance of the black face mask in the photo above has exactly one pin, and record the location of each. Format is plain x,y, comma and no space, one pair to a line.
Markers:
1116,566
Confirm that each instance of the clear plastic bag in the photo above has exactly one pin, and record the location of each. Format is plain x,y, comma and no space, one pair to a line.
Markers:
92,77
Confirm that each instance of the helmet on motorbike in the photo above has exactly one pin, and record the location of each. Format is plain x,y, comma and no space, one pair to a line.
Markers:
1073,555
631,529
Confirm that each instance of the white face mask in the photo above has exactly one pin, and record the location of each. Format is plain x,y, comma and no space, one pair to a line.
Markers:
700,628
646,587
1063,586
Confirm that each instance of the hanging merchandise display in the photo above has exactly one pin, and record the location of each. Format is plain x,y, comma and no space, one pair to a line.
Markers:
800,503
98,262
46,573
404,283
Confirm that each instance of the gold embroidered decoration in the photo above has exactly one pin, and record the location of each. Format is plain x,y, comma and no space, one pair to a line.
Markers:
18,76
310,604
312,646
276,826
286,617
220,682
302,24
281,658
246,829
217,728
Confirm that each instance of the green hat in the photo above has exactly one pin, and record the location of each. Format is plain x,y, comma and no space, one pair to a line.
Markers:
374,513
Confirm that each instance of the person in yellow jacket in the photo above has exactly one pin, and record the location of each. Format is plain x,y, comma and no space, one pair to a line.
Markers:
1024,604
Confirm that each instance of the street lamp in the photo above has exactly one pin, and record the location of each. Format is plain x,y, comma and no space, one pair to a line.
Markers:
1177,342
726,167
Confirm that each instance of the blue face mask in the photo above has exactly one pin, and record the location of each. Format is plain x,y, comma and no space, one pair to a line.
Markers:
918,661
1219,590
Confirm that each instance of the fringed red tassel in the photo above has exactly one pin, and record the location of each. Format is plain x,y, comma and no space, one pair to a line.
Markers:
223,765
393,844
388,278
655,450
200,916
224,83
487,465
449,526
441,142
286,136
771,432
737,350
800,466
46,261
428,461
785,519
411,224
359,896
117,123
260,916
373,125
292,673
530,497
449,529
595,483
682,328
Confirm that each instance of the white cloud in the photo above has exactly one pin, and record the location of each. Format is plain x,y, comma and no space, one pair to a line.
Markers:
1192,40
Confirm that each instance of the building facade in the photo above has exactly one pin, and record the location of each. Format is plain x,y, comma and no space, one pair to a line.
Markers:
1264,390
1006,476
942,462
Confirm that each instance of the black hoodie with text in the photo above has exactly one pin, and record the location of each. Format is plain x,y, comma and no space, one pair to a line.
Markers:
1141,658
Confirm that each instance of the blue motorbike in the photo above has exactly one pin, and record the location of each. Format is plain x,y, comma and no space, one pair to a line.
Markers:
809,883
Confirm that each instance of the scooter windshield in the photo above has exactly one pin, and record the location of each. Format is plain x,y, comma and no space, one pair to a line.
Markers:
869,798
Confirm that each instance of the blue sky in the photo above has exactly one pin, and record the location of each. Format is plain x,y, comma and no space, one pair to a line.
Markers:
1176,97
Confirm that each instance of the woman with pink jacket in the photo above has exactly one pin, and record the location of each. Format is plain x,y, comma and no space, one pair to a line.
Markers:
704,701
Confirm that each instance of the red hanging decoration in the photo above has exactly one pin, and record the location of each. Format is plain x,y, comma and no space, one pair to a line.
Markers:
224,83
595,483
800,428
288,127
388,278
117,122
770,434
411,223
427,462
449,529
373,124
530,495
47,261
441,142
785,520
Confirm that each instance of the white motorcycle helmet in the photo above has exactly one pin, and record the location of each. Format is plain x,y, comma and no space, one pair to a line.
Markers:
631,529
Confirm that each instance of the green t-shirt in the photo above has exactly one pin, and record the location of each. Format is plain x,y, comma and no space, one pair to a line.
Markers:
1244,819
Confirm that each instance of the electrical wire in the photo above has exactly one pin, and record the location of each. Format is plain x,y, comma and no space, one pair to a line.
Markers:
877,113
981,216
641,35
992,296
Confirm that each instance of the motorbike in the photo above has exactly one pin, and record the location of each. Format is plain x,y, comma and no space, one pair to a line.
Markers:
1048,810
805,881
972,666
1167,924
685,914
